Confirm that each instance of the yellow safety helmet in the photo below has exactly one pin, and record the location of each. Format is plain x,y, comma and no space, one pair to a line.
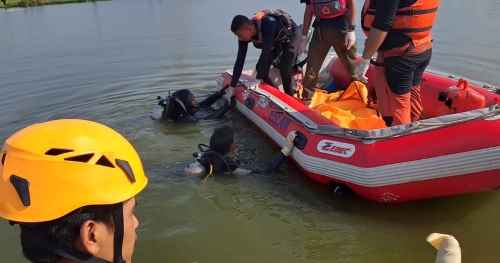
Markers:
50,169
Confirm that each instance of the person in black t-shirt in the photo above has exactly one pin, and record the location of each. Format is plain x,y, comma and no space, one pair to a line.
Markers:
399,31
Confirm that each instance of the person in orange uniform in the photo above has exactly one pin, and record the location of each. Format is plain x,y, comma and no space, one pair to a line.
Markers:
71,185
399,31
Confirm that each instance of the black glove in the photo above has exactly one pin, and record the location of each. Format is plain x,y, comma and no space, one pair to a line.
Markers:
161,101
221,92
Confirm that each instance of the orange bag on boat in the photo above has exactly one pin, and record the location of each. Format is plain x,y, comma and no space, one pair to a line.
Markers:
349,108
321,97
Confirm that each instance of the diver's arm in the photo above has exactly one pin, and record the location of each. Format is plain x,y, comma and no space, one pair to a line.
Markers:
224,109
283,154
219,113
273,166
211,99
241,171
240,63
277,162
188,119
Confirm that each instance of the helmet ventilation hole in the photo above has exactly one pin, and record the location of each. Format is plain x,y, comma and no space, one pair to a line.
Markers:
22,188
3,158
125,166
57,151
80,158
105,162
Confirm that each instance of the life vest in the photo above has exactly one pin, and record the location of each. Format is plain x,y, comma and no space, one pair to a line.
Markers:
328,9
288,25
415,21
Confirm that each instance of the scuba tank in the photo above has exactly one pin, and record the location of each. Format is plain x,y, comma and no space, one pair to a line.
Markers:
177,106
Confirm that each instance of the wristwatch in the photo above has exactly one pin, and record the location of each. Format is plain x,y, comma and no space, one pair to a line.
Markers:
351,28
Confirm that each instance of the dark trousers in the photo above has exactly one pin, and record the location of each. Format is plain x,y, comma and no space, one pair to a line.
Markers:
324,38
397,80
284,59
406,71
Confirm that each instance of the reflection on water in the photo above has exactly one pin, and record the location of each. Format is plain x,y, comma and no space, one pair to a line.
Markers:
108,61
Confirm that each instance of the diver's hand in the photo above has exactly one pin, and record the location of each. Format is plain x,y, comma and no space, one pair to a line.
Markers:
227,81
290,139
290,143
229,91
161,101
447,246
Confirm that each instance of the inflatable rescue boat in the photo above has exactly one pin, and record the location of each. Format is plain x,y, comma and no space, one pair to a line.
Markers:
446,153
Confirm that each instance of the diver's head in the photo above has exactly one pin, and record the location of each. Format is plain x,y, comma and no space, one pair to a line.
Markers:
222,140
243,28
82,208
181,104
187,98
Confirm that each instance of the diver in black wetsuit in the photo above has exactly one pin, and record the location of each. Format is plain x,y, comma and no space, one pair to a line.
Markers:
273,32
217,158
182,107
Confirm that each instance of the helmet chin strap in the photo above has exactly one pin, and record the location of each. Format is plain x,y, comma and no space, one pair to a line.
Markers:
118,235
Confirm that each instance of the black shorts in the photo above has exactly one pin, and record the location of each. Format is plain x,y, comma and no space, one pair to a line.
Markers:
404,72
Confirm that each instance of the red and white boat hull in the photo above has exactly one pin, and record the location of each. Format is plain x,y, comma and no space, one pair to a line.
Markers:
442,156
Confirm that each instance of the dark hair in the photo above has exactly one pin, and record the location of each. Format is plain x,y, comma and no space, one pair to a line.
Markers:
222,139
40,241
176,112
238,22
